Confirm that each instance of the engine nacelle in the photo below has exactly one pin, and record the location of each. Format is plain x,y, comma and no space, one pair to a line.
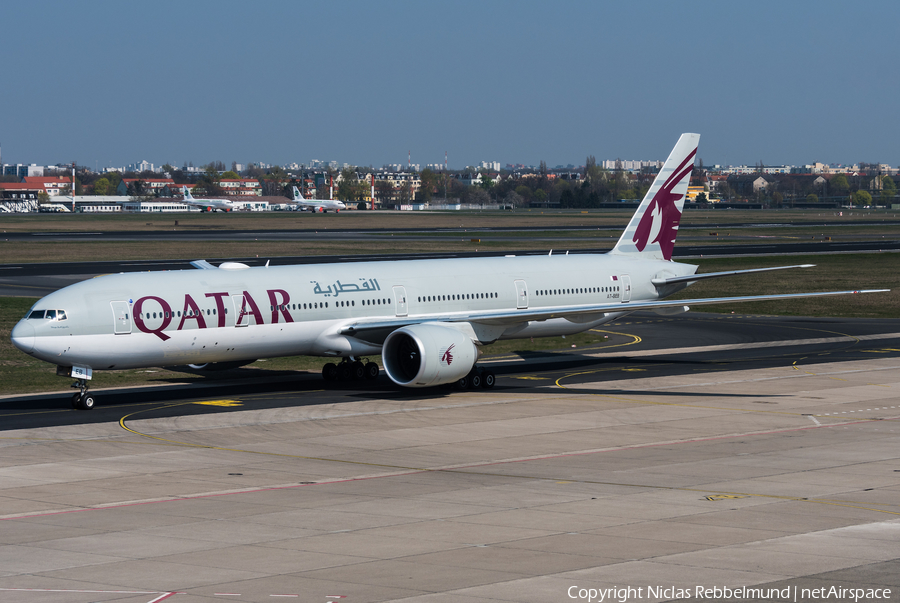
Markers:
427,354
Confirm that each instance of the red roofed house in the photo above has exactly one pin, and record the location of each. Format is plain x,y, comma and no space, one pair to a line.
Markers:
53,185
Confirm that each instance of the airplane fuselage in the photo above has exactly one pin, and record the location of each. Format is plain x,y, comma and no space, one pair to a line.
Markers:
225,315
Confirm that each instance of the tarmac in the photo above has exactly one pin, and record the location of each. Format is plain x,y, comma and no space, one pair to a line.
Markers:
773,478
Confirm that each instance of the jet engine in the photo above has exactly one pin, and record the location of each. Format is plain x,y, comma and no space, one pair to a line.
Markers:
428,354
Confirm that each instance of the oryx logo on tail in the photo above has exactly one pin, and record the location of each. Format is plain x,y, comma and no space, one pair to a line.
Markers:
663,213
653,227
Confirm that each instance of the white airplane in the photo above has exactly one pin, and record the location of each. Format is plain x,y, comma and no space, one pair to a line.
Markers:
207,204
317,205
427,318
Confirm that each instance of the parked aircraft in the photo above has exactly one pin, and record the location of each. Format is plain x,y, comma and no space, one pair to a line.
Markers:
320,205
427,318
207,204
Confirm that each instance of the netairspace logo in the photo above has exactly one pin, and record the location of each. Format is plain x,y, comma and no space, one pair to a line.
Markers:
623,594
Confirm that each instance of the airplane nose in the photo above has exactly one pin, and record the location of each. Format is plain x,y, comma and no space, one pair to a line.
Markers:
23,336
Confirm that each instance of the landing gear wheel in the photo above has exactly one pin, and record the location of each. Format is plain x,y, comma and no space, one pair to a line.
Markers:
371,371
82,400
463,383
343,371
357,370
330,371
488,379
475,380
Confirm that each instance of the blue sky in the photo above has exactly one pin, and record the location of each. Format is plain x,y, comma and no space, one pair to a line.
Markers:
110,83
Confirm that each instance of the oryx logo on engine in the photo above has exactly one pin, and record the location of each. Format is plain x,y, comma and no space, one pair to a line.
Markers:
447,357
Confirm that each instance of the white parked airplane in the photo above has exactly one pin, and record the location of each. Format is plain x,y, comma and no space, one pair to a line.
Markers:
320,205
207,204
427,318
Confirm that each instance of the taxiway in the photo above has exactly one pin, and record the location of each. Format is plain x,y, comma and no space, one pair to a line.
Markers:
757,452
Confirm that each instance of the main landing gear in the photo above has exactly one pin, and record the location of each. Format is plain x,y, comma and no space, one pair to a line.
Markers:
350,368
477,377
82,400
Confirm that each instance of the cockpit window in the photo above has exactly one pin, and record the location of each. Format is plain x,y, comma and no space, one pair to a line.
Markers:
48,314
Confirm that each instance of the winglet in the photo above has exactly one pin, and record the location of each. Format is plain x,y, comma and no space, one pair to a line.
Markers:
203,265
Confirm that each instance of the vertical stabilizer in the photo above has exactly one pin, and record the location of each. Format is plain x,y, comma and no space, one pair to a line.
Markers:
654,226
187,194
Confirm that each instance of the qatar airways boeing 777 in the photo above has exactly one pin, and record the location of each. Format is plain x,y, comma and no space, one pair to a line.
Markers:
427,318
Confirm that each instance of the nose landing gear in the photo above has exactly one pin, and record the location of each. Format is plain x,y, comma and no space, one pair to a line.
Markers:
82,400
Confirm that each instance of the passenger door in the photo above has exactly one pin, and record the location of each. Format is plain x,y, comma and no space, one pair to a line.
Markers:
626,287
521,295
400,305
241,315
121,317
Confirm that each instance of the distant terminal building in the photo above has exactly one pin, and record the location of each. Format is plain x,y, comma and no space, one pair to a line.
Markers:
165,206
250,205
98,204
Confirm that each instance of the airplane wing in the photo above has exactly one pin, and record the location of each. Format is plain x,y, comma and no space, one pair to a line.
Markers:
376,330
